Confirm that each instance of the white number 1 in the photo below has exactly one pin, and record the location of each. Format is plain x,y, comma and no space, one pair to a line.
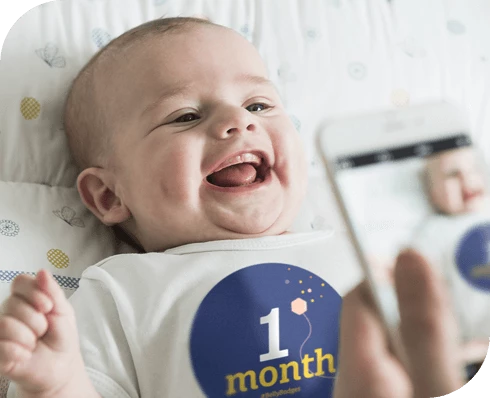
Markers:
274,351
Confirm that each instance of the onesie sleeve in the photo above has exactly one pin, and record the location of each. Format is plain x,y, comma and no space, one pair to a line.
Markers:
103,341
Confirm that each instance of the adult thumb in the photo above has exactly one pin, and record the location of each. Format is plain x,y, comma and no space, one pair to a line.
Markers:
428,328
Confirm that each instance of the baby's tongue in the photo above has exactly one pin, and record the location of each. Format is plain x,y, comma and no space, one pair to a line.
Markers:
234,176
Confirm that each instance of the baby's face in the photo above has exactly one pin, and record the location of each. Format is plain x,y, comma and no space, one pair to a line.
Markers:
203,148
457,183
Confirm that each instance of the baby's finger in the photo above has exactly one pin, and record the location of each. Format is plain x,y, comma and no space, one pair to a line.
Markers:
25,286
16,307
61,320
47,284
428,328
11,354
13,330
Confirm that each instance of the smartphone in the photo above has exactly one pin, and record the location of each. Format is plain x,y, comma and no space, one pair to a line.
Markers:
411,177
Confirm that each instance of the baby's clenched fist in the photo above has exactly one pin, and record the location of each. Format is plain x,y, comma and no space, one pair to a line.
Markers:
38,338
23,322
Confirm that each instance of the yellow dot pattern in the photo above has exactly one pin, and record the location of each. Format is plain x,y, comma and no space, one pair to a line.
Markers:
302,292
400,98
58,258
30,108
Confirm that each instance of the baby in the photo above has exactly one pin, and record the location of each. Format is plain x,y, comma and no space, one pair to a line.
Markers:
184,144
456,240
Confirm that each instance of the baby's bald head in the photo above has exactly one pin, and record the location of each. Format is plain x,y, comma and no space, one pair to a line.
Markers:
87,122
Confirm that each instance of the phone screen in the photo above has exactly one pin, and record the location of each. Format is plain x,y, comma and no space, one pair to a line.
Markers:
431,196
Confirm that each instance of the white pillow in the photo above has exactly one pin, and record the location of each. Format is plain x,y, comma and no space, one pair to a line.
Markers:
327,58
39,202
48,227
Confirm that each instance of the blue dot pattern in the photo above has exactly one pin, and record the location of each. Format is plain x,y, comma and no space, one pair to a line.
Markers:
66,282
100,37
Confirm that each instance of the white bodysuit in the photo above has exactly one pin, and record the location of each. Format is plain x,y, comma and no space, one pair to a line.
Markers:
458,246
236,318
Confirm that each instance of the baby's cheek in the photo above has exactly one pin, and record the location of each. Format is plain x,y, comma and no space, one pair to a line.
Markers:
480,183
454,196
295,146
442,196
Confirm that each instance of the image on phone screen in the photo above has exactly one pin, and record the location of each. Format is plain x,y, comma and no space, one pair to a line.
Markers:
431,196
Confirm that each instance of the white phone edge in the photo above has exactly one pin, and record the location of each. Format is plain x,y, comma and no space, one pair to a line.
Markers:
446,119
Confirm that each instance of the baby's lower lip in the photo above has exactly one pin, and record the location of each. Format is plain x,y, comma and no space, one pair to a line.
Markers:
472,195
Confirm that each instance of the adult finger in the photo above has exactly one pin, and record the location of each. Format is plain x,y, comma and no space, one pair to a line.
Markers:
428,328
367,367
474,351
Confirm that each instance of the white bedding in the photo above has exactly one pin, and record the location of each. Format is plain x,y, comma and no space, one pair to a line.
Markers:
327,58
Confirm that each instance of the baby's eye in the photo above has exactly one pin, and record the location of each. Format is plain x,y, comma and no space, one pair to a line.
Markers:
188,117
452,173
256,107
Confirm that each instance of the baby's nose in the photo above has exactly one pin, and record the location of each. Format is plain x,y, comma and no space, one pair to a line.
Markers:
232,121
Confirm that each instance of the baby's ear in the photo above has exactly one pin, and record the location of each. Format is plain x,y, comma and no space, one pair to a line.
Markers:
97,192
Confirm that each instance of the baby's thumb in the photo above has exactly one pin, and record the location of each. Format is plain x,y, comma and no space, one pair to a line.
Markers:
46,282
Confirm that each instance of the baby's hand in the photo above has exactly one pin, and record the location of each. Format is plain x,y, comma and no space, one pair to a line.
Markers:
39,347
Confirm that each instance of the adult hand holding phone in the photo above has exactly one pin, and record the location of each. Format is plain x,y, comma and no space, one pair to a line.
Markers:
428,331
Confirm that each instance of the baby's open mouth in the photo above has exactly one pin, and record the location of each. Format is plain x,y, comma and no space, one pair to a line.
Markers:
472,195
241,170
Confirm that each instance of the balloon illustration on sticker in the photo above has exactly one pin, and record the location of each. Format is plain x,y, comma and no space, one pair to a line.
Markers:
269,329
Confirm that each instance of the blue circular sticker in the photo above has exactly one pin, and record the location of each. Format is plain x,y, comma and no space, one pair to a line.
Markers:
472,257
268,330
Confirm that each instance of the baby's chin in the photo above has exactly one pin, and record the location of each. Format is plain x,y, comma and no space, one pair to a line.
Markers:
461,205
476,203
465,207
255,227
257,230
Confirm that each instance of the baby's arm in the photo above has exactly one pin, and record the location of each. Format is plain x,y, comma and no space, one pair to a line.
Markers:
39,347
